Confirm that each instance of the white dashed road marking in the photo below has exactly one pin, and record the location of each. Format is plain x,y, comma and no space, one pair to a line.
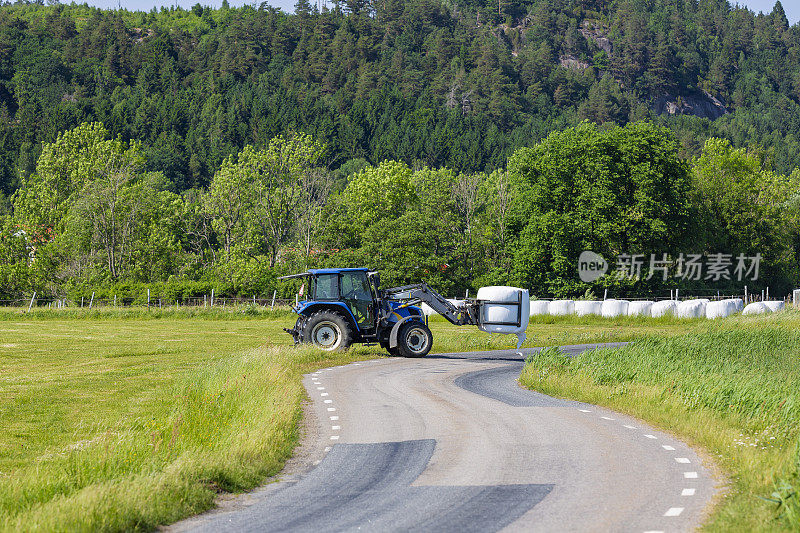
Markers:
336,427
668,448
606,418
328,401
651,436
324,394
334,437
584,410
630,427
334,418
674,511
331,409
690,475
688,492
682,460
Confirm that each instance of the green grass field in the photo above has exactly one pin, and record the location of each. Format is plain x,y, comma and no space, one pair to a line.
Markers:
127,419
730,386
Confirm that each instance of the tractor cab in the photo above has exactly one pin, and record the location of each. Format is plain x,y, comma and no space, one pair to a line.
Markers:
346,305
350,287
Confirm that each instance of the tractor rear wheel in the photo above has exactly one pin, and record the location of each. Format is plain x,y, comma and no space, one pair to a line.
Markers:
414,339
328,331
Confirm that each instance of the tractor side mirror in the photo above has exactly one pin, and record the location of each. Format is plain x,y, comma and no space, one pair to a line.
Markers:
375,277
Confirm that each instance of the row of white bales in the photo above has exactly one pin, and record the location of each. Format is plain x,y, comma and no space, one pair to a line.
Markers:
697,308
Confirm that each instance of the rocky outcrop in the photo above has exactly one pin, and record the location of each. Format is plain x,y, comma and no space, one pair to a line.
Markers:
572,62
700,105
600,36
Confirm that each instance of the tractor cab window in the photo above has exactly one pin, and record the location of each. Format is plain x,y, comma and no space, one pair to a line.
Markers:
357,294
326,287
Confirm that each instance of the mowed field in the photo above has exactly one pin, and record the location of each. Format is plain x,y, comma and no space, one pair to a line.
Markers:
121,420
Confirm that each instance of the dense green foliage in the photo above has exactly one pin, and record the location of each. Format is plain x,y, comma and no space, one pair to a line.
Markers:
419,81
91,219
220,148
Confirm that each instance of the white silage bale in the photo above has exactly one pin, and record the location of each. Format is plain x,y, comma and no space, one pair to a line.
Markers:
738,302
663,308
587,307
640,308
756,308
720,309
614,308
539,307
691,309
504,310
561,308
774,305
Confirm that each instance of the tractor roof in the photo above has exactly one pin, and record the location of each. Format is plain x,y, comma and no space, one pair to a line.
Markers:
318,271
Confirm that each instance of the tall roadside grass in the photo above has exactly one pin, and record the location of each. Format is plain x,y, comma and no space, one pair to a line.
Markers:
731,386
225,427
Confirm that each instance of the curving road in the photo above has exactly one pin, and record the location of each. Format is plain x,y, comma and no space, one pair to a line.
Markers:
452,443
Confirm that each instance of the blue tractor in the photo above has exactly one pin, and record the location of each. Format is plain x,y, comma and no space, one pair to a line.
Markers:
347,305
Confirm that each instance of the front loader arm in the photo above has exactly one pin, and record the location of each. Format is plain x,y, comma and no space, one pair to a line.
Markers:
458,315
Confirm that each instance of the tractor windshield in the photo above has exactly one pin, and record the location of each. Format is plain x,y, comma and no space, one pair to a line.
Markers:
357,294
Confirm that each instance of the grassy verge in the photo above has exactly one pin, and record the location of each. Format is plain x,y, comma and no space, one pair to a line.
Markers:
120,425
121,419
731,386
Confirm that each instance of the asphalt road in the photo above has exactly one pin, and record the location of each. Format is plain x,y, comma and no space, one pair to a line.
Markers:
452,443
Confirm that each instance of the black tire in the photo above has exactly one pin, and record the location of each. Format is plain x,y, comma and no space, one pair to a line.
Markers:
414,339
328,331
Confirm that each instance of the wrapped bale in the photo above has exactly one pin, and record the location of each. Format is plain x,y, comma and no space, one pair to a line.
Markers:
756,308
504,310
614,308
691,309
738,302
640,308
774,305
539,307
561,308
663,308
720,309
587,307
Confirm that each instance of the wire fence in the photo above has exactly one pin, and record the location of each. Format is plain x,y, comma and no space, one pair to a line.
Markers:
195,302
208,301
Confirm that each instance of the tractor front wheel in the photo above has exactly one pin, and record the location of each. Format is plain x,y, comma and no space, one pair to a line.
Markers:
414,339
328,331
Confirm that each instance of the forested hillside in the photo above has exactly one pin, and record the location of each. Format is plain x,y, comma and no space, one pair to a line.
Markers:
422,81
466,144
